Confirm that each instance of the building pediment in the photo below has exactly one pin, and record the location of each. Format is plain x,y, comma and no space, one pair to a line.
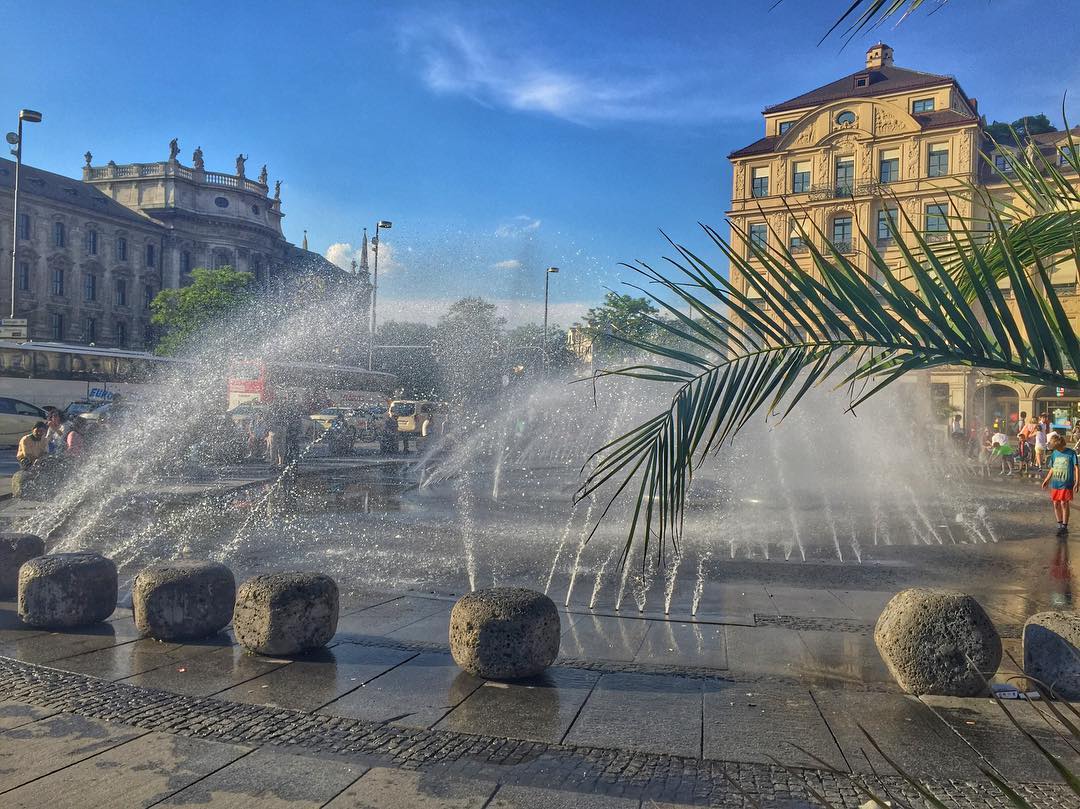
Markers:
854,118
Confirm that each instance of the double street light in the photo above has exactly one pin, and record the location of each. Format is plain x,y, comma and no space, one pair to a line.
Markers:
16,139
544,348
382,224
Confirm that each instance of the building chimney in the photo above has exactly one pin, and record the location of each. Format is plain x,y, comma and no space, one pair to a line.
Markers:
879,55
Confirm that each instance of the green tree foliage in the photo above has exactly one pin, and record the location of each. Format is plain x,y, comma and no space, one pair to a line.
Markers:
183,315
1020,129
470,347
526,346
405,349
620,322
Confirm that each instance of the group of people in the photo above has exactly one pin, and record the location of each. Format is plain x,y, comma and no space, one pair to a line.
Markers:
1036,447
49,445
275,436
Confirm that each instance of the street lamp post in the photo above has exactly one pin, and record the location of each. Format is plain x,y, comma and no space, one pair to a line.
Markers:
382,224
32,117
544,346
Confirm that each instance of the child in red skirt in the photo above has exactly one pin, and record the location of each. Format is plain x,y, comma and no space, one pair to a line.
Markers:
1063,479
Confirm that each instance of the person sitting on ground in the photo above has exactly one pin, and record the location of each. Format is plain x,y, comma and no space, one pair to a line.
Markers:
1063,480
33,446
74,443
56,435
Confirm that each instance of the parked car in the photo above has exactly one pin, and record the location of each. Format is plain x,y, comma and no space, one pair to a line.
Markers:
17,418
340,423
76,409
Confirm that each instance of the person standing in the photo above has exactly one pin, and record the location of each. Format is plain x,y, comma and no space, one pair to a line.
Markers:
1041,435
1062,479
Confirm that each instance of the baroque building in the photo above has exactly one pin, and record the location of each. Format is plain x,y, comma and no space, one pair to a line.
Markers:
843,160
93,253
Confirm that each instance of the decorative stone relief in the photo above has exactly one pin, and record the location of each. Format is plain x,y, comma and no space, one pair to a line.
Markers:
805,136
779,172
740,181
964,159
885,122
911,154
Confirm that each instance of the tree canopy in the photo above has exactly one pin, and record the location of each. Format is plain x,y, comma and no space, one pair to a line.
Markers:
404,348
184,315
1019,130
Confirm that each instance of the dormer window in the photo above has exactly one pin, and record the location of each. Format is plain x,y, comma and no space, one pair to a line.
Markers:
922,105
862,80
784,127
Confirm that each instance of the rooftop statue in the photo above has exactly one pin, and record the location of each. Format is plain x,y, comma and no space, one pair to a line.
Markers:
263,175
241,159
88,157
197,159
174,149
277,189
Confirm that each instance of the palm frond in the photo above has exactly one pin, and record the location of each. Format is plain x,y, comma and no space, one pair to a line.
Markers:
758,349
863,14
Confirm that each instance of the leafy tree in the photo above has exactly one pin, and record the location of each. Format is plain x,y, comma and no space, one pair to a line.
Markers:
526,346
183,315
415,366
470,349
1021,128
621,320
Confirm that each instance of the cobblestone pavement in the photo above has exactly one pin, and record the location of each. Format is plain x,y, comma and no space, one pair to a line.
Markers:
651,778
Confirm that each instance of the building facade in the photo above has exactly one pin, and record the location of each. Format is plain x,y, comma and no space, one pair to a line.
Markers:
93,253
841,162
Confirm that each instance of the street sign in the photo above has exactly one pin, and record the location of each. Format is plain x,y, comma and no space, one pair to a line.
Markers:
13,328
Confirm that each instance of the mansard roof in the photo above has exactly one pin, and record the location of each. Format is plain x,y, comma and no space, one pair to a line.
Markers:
58,188
883,81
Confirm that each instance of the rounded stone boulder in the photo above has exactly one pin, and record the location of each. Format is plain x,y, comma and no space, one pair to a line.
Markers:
938,642
504,633
1052,652
64,590
282,614
183,600
14,550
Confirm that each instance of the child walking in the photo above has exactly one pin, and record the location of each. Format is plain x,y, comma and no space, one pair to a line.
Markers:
1063,479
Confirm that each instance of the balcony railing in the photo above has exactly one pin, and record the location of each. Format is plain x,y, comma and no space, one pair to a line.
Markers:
173,169
936,236
799,247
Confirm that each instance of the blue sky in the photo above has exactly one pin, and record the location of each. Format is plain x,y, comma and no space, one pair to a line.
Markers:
500,138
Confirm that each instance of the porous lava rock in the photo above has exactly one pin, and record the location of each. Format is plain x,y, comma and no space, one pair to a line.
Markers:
64,590
283,614
183,600
504,633
938,642
15,549
1052,652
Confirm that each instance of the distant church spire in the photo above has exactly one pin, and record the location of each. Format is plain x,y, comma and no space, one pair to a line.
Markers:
363,254
305,240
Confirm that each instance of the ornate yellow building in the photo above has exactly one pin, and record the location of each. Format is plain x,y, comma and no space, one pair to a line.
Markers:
842,159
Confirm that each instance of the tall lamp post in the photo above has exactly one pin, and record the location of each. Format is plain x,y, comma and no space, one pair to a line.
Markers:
544,348
382,224
30,116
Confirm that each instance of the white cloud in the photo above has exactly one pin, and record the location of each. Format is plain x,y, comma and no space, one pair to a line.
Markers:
343,254
509,264
520,225
454,60
515,310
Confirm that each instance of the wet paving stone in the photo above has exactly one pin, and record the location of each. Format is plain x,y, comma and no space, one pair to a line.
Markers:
146,654
806,602
16,714
31,751
598,637
753,721
642,712
206,674
271,779
766,651
541,709
52,646
418,693
683,644
312,681
843,657
138,773
519,797
433,629
388,617
382,788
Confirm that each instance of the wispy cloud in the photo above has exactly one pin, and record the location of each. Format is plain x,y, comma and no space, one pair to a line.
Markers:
454,59
521,225
343,254
509,264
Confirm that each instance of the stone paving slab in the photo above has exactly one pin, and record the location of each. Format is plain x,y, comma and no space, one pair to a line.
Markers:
808,602
129,659
206,674
680,644
736,599
271,779
16,714
642,712
417,693
316,679
842,657
138,773
432,629
762,721
519,797
389,616
382,788
766,651
541,709
601,637
39,748
49,646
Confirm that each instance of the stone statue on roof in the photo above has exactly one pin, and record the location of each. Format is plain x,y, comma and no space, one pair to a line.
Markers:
263,175
197,159
241,159
277,189
88,157
174,149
